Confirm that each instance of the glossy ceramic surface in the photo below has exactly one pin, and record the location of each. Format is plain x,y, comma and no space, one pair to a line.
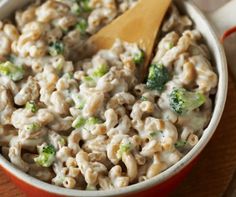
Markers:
162,184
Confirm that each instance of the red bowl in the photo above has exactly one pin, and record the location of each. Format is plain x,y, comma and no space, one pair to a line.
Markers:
163,189
165,182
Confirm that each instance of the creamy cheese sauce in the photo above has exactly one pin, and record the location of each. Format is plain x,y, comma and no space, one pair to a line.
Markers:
91,124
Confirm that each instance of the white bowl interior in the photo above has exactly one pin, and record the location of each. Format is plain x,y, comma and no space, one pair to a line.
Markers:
201,23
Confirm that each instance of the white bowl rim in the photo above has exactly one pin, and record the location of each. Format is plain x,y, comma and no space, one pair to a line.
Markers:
167,174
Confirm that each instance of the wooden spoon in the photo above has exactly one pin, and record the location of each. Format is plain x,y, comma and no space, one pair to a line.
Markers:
139,24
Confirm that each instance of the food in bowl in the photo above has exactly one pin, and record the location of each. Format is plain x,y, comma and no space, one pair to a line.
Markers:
92,123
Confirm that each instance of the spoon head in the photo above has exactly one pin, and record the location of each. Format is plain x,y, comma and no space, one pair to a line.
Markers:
140,25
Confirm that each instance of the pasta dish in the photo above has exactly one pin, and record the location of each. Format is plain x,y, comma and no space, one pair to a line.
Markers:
91,123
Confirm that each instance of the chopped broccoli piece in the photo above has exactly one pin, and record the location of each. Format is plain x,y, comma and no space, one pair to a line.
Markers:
85,123
183,101
81,105
100,71
158,77
62,141
124,148
89,81
78,122
31,105
93,121
88,78
84,4
46,156
81,6
154,134
59,67
14,72
68,75
170,45
32,127
139,57
180,144
78,101
82,26
56,48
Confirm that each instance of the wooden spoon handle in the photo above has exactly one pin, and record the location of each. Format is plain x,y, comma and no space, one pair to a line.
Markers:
139,24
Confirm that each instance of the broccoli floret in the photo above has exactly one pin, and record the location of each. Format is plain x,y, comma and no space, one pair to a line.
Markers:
183,101
62,141
31,105
78,101
89,81
93,121
100,71
180,144
84,4
68,75
59,67
56,48
97,73
14,72
124,148
81,104
82,26
170,45
81,6
32,127
78,122
138,57
46,156
86,124
158,77
154,134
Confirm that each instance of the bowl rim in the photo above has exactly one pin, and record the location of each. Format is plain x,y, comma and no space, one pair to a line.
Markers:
171,171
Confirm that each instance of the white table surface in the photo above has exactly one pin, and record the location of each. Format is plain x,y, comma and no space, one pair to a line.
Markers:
230,43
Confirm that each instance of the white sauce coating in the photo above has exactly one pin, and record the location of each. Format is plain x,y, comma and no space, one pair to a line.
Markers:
91,124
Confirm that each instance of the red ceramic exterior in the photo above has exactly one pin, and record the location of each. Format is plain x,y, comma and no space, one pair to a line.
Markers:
29,190
162,190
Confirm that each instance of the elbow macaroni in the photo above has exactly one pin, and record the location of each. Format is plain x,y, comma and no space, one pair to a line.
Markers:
107,129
